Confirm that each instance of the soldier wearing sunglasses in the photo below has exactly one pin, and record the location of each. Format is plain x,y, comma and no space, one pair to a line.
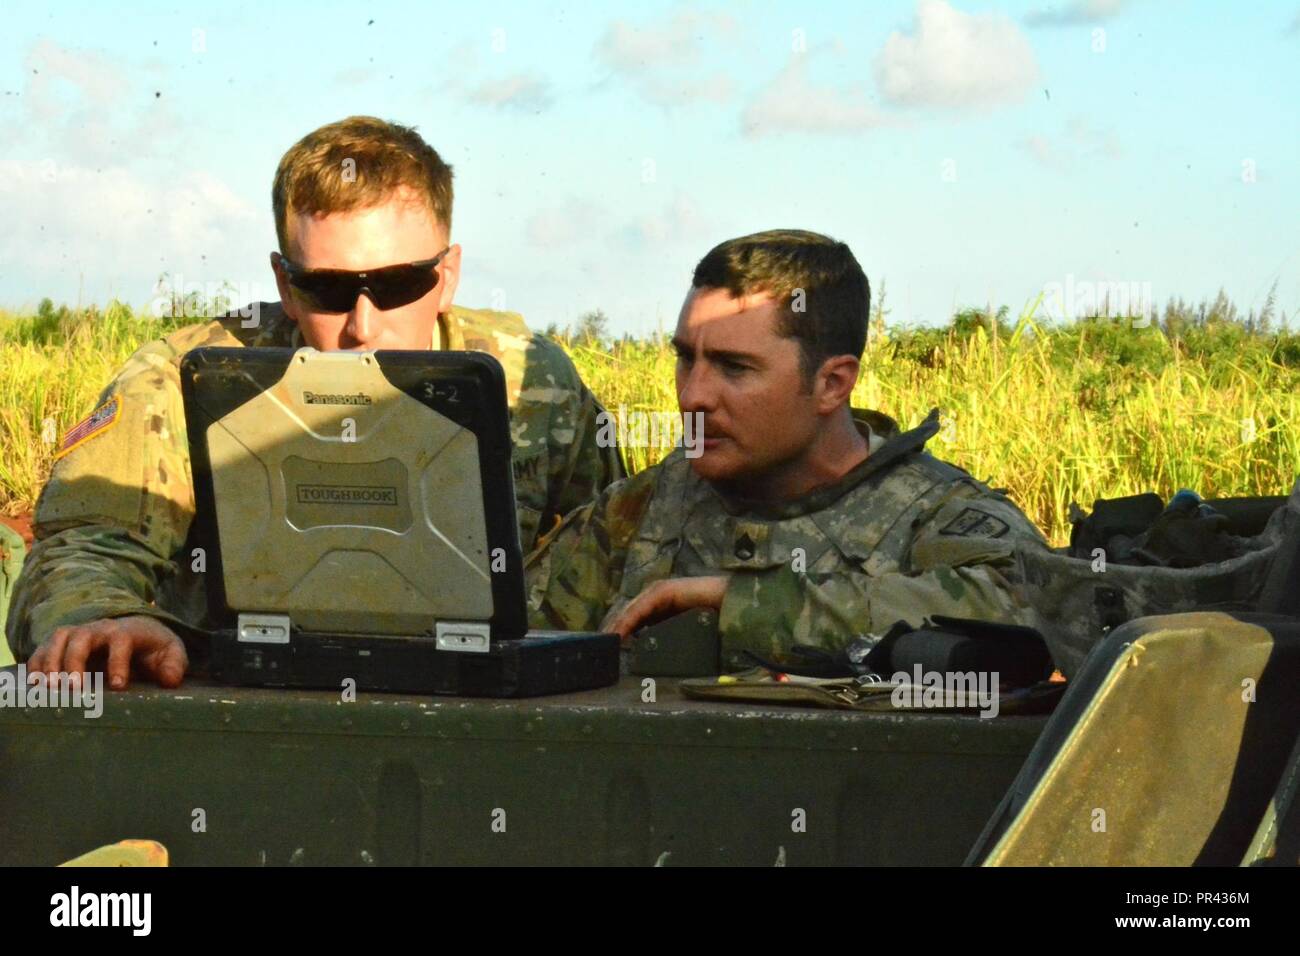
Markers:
363,218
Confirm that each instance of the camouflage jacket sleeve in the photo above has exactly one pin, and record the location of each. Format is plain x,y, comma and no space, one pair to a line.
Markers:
116,508
574,575
12,553
82,575
969,575
579,465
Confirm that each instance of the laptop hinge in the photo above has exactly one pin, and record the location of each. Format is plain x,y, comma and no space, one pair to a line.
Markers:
465,636
264,628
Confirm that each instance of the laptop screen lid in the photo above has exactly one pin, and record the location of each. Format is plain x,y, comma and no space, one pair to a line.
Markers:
361,493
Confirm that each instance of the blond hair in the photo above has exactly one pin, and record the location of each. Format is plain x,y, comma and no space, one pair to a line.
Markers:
356,163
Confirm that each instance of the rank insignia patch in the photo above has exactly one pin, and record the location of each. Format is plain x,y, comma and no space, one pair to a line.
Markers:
975,524
96,423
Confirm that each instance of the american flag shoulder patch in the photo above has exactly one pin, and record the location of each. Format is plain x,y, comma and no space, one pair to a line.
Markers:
96,423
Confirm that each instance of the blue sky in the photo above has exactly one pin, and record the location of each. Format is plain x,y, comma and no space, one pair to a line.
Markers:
969,152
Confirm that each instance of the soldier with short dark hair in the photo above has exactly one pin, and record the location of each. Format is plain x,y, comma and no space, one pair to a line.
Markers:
801,520
365,261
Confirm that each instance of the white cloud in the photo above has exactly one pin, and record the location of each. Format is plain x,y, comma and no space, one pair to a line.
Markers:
717,88
1041,149
524,92
79,103
355,76
93,181
106,220
1094,141
466,75
1081,142
956,60
629,48
570,223
53,72
577,222
667,61
679,219
1076,12
791,104
464,57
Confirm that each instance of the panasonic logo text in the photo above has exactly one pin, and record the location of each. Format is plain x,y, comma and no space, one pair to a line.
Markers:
320,398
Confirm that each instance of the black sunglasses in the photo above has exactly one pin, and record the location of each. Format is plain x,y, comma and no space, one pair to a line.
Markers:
337,290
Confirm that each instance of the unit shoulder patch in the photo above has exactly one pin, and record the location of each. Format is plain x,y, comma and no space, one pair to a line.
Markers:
96,423
972,522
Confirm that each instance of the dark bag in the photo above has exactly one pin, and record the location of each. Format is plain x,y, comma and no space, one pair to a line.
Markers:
944,645
1131,559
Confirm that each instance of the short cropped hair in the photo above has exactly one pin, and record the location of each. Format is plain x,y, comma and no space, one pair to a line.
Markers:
355,163
829,318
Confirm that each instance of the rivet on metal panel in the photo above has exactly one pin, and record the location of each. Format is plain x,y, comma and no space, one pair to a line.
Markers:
708,731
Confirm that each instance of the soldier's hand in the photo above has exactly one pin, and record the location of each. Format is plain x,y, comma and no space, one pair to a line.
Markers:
145,642
664,599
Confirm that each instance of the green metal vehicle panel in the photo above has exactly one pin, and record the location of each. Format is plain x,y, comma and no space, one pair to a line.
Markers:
234,776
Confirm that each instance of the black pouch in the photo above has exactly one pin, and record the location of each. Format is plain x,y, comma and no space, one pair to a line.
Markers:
1017,654
685,645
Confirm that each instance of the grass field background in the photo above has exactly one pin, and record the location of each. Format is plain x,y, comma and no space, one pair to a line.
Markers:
1054,414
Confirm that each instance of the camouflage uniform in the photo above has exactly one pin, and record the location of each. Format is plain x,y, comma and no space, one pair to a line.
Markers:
111,524
901,536
12,551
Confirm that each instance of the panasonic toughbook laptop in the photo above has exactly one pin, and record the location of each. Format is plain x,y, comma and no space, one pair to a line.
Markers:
357,511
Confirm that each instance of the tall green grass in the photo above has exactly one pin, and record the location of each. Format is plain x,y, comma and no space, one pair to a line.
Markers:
1091,411
1054,415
